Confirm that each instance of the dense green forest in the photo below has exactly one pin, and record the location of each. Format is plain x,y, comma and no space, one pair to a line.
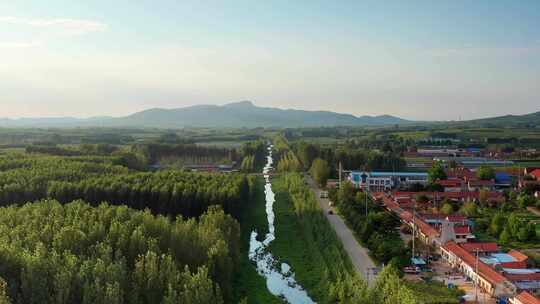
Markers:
254,156
59,251
97,179
157,152
75,253
163,153
351,156
300,155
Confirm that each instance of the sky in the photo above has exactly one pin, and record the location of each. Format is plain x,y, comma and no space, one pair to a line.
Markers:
428,60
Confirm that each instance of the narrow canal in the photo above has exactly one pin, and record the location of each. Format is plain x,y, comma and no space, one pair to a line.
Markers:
279,278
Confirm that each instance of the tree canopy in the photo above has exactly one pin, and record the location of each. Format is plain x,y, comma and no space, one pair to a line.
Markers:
320,171
75,253
97,179
485,173
436,172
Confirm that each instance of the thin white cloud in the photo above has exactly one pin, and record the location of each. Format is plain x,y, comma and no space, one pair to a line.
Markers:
43,31
474,52
62,26
17,45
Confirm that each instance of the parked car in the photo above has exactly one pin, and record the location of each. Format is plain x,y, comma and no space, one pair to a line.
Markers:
411,270
433,258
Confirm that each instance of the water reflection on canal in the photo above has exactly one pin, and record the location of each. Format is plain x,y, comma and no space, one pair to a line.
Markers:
279,278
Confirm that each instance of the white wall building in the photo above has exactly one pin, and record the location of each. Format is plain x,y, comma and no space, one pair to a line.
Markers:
385,181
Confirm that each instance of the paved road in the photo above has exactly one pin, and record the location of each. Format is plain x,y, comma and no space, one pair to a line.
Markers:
534,210
358,254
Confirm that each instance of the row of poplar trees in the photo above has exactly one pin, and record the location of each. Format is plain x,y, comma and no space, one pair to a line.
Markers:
97,180
75,253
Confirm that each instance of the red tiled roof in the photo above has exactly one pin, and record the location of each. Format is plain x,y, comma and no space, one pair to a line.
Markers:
536,174
378,195
520,257
450,195
481,183
527,298
484,247
391,205
462,229
528,170
486,272
425,228
409,205
514,265
454,218
406,216
460,173
449,182
404,201
523,276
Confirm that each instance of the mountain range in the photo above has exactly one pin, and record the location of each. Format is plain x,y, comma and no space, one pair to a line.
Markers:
232,115
246,114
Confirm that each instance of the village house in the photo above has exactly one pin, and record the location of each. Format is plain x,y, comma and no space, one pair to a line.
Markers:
477,185
524,298
535,174
483,249
385,181
497,273
429,228
451,185
489,280
438,197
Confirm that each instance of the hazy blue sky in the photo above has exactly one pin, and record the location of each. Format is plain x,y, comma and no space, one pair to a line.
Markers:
415,59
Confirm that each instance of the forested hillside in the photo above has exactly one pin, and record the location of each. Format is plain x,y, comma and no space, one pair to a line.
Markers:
75,253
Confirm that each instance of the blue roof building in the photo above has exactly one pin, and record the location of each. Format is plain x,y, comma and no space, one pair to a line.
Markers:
503,178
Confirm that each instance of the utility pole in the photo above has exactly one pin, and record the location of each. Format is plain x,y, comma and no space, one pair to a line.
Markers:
339,173
476,277
366,189
367,275
366,199
414,228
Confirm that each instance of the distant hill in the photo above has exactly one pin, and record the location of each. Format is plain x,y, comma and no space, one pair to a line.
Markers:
246,114
41,122
527,120
233,115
